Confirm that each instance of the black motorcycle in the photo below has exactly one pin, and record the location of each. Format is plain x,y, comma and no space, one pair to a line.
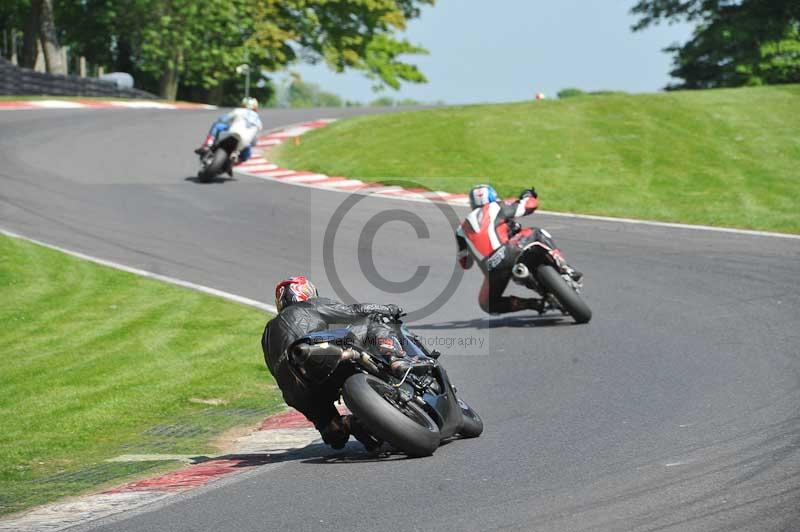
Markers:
541,267
220,157
413,411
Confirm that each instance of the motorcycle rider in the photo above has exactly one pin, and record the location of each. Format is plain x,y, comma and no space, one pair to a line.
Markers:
490,235
249,112
301,312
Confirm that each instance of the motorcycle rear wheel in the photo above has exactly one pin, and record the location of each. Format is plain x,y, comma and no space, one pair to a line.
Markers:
570,301
406,426
215,166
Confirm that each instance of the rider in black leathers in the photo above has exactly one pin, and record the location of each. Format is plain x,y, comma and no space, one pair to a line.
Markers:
298,317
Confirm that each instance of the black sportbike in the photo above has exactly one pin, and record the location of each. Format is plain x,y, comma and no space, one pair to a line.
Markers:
220,157
413,410
540,266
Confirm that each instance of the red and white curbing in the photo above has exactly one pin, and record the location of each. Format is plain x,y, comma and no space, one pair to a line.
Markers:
22,105
276,435
258,166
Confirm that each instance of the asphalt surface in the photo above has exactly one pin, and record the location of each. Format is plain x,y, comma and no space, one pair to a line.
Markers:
676,408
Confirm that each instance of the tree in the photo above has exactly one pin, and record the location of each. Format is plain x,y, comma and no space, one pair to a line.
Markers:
49,38
736,42
36,19
355,34
294,92
197,44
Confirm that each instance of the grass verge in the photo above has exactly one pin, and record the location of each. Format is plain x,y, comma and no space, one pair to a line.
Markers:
97,363
717,157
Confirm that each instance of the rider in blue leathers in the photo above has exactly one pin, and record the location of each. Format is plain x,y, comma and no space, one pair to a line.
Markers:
249,110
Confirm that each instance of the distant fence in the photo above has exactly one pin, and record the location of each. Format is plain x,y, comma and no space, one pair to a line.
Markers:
22,81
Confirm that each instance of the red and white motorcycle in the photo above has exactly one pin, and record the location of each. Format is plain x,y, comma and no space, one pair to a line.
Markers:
541,267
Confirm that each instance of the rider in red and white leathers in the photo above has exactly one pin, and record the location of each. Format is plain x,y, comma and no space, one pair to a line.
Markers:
491,236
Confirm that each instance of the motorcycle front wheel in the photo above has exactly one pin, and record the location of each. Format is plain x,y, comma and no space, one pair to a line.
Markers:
471,424
404,425
570,301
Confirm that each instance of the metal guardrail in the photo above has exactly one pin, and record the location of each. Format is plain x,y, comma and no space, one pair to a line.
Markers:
16,81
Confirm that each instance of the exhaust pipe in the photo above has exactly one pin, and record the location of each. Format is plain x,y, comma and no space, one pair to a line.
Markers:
521,272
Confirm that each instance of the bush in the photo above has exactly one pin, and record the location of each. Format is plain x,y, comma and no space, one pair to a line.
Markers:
606,93
383,101
570,93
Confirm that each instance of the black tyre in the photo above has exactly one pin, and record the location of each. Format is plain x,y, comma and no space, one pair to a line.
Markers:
407,427
472,424
569,299
215,166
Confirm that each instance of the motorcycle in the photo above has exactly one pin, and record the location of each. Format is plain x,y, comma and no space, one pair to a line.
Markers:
224,153
413,412
541,267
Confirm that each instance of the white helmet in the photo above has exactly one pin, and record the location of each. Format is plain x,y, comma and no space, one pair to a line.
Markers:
250,103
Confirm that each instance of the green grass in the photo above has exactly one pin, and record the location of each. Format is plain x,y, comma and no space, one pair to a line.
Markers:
97,363
719,157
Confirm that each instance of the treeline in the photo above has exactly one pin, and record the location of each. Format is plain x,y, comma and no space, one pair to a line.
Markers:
572,92
295,92
190,49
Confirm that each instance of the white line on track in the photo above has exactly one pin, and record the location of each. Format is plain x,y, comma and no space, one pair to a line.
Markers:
671,225
144,273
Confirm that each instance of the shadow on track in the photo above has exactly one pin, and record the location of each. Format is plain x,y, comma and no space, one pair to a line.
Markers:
314,453
213,181
354,453
552,320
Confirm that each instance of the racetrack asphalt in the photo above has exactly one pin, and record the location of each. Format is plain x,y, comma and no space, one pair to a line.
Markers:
675,408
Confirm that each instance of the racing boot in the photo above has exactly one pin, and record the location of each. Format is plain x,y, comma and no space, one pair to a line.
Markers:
360,433
565,268
202,150
336,433
573,273
523,303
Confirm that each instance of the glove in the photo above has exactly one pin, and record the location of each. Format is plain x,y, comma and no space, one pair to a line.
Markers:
528,193
395,311
392,311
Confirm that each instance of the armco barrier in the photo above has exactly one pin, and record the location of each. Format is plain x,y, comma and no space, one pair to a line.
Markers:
15,81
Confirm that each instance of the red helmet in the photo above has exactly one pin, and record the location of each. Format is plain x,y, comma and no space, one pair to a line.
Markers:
292,290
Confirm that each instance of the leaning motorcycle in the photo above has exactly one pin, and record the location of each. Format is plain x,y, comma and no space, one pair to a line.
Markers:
224,153
414,411
541,267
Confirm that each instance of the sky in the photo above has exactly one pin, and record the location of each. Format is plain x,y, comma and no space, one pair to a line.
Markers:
508,50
